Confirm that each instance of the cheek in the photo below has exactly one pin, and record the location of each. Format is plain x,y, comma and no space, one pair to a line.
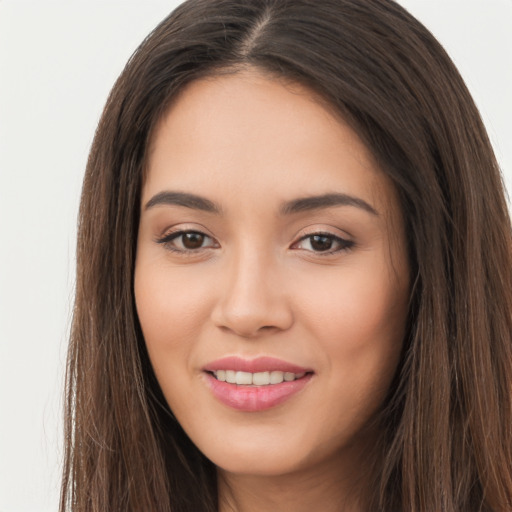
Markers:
167,300
172,310
356,305
358,321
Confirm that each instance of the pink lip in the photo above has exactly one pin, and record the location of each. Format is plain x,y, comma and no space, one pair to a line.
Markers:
260,364
254,398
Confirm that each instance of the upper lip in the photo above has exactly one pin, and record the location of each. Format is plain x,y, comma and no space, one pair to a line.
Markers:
260,364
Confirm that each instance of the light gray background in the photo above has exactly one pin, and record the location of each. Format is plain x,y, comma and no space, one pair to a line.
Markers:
58,61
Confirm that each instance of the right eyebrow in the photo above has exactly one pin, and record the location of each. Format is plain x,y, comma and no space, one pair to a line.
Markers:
185,199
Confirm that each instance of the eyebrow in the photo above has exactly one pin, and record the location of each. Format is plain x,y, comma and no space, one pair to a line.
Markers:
185,199
299,205
325,201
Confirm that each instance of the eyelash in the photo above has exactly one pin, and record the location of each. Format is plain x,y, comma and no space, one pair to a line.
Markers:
343,243
168,239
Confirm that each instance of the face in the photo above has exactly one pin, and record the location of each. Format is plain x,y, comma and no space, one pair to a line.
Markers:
271,277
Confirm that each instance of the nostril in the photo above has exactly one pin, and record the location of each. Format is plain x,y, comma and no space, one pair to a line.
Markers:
252,320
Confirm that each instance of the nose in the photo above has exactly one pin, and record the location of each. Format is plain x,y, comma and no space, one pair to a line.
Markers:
252,299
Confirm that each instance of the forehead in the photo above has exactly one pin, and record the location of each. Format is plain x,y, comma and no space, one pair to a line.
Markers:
251,131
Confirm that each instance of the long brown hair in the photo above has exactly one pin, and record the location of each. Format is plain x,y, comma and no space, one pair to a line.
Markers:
447,425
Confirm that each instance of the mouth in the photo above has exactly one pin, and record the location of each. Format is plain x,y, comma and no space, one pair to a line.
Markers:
255,385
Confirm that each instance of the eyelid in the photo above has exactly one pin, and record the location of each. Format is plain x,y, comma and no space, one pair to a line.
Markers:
345,243
173,233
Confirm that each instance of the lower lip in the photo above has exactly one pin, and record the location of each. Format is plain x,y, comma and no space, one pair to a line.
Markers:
255,398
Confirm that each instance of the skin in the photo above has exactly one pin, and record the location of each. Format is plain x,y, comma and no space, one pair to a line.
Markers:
258,286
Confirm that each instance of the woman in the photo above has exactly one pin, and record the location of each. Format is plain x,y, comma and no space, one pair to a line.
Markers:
293,286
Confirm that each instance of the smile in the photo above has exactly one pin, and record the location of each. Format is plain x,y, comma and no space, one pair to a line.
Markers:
256,379
254,385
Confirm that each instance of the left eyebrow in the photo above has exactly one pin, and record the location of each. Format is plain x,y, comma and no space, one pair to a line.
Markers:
325,201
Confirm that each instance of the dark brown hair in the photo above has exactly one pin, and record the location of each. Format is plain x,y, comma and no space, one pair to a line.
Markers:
447,424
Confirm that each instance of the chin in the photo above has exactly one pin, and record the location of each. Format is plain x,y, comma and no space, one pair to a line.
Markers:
257,463
272,450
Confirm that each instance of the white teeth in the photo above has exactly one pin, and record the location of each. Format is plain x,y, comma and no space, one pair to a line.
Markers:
261,379
256,379
276,377
243,378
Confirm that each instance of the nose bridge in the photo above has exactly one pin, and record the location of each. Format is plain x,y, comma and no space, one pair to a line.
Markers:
253,297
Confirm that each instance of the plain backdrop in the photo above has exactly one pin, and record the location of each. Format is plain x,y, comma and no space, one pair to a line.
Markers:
58,61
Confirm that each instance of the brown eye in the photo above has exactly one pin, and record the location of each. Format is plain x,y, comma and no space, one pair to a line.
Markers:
192,240
187,241
323,243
